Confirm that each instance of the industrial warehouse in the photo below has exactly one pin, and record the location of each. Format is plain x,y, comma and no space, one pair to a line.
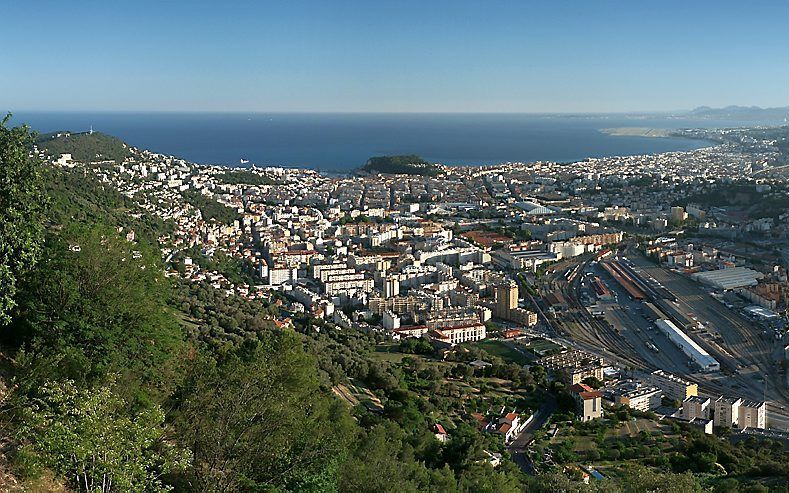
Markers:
736,277
699,356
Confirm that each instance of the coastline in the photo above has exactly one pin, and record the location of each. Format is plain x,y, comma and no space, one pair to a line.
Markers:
342,143
658,133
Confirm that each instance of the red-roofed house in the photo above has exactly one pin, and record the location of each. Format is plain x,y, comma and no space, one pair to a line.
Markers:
589,402
508,426
581,387
482,423
441,433
512,333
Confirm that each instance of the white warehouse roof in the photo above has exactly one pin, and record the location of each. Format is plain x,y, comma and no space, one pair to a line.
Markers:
688,346
533,208
736,277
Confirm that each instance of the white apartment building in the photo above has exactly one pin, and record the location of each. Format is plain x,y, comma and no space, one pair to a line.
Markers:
322,271
727,412
348,283
391,287
379,239
752,415
390,321
695,407
279,275
642,398
673,386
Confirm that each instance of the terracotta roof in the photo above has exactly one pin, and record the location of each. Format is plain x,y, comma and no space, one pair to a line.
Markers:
581,387
481,422
411,327
440,429
437,333
464,326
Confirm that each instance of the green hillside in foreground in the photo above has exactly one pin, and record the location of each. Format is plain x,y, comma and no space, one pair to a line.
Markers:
409,164
84,147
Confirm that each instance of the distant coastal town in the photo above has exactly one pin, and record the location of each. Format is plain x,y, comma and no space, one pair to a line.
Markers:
637,132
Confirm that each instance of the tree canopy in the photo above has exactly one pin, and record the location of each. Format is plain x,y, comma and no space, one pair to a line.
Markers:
409,164
85,147
21,205
256,418
87,436
97,304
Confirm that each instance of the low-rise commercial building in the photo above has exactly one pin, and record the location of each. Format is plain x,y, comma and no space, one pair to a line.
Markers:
736,277
688,346
459,334
410,331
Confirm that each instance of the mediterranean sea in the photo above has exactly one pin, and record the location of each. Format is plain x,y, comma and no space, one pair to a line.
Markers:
340,142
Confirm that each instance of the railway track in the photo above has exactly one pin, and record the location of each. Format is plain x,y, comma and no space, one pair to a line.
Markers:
599,338
747,347
597,332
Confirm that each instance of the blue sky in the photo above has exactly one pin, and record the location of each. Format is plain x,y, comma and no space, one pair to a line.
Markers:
377,55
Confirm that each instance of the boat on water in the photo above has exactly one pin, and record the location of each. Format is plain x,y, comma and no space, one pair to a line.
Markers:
244,161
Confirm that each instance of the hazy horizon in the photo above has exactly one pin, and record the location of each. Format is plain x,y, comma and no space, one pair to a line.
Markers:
678,113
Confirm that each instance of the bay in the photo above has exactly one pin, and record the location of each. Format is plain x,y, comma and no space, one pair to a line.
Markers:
341,142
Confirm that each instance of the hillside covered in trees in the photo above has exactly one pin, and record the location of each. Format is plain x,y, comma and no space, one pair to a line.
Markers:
410,164
84,146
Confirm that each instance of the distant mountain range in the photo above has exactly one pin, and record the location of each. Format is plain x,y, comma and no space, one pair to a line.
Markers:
741,113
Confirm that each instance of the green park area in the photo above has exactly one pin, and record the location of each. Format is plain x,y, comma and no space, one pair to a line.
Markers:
510,352
626,440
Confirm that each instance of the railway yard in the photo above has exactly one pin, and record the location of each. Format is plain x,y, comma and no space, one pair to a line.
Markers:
615,304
